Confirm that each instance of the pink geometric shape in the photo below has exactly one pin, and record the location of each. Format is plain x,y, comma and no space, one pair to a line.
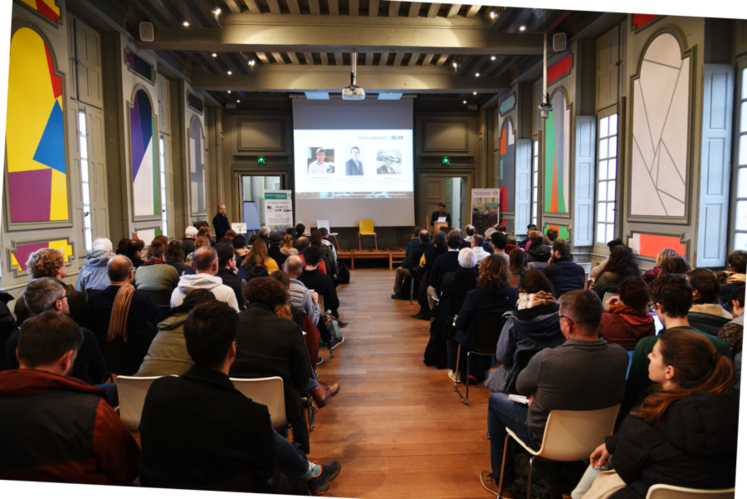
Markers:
30,195
23,252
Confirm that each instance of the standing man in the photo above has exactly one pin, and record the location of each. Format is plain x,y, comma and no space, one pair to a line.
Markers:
221,223
319,166
441,212
353,166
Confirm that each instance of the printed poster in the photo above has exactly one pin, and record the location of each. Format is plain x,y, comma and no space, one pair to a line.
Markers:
278,209
486,205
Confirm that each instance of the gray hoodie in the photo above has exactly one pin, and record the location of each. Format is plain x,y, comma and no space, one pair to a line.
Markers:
93,273
203,281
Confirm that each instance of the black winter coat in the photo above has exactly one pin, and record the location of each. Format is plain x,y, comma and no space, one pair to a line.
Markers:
694,445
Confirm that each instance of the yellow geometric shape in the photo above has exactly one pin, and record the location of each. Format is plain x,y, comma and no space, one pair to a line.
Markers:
62,245
49,3
58,205
13,260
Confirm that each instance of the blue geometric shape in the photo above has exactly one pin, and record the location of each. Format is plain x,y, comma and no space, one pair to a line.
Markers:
51,148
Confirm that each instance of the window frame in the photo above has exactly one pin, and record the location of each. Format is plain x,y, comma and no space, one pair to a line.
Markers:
601,247
536,212
85,178
734,198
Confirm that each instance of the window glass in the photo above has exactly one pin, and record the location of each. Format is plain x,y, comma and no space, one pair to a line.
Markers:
84,181
606,179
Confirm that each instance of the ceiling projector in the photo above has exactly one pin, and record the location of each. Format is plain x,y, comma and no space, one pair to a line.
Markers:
353,92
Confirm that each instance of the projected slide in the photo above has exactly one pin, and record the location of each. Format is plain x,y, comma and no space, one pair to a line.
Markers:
353,164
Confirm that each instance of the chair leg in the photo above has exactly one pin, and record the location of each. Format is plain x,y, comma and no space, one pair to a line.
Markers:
412,288
456,376
529,478
359,240
311,410
376,243
503,465
466,381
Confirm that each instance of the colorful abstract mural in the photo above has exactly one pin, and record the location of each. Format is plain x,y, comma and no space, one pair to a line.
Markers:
661,96
557,156
640,20
144,154
559,69
20,256
197,167
650,244
562,231
507,167
140,66
47,8
35,137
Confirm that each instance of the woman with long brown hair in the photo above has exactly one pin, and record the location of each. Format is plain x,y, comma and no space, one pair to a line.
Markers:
286,247
256,263
518,263
684,434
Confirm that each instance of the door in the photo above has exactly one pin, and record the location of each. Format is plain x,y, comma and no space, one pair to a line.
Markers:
432,190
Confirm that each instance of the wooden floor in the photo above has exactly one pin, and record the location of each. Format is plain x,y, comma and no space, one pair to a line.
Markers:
396,426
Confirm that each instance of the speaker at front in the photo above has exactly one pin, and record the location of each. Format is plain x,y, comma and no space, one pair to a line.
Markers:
146,32
558,42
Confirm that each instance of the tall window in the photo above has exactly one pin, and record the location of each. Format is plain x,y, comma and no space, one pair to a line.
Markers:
535,180
82,138
607,179
740,213
162,167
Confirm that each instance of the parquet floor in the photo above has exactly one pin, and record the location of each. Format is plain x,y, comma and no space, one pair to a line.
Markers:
397,427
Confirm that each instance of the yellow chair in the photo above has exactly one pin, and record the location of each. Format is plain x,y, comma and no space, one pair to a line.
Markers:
366,228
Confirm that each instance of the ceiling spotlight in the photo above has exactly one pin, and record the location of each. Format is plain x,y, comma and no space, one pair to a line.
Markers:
237,100
493,15
229,73
217,11
492,58
464,101
474,93
185,24
477,75
251,62
214,54
455,64
522,28
229,91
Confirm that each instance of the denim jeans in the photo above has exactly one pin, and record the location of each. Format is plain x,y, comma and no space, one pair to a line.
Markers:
504,413
289,460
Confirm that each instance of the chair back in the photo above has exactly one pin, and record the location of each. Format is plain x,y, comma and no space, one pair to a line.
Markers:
161,297
488,331
90,292
573,435
124,358
366,226
265,391
240,483
586,266
323,223
132,391
661,491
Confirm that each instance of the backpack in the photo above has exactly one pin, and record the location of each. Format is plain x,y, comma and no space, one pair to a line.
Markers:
343,277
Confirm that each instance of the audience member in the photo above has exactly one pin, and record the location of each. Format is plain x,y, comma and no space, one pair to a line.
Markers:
236,437
733,331
291,231
200,241
288,311
489,299
414,241
225,240
59,428
122,246
525,243
674,264
230,234
220,222
93,273
584,373
626,320
518,263
706,313
167,353
239,247
562,272
652,274
447,262
274,249
684,434
737,262
552,236
135,251
301,244
538,252
204,231
189,240
672,297
314,280
206,265
316,240
469,233
154,273
227,272
621,264
48,294
327,242
50,262
477,248
300,230
264,235
257,263
287,246
531,328
411,261
598,269
498,243
298,295
175,256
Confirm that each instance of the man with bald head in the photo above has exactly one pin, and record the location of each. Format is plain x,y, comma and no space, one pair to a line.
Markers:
301,244
205,262
300,297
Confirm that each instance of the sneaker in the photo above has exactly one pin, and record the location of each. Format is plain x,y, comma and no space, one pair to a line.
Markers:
319,484
488,482
341,324
319,361
335,342
455,377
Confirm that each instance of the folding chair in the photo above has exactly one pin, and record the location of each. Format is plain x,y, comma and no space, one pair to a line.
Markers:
132,391
661,491
366,228
332,235
487,337
161,297
265,391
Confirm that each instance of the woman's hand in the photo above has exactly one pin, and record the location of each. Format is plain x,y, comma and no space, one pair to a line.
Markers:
599,457
613,300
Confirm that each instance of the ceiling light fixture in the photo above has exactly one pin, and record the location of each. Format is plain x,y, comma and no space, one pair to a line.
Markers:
474,93
522,28
185,24
251,62
492,58
214,54
455,64
237,100
229,73
493,15
229,91
217,11
477,75
464,102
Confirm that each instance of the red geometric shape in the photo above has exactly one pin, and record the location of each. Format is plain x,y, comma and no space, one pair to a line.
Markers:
650,244
46,11
504,198
554,203
640,20
56,80
559,69
504,134
23,252
30,194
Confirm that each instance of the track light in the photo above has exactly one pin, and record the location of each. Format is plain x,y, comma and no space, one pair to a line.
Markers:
229,73
477,75
214,54
464,102
185,24
238,100
492,58
454,64
217,11
251,62
522,28
493,15
229,91
474,93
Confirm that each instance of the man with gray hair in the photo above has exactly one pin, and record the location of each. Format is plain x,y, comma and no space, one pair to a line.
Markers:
93,273
188,243
299,296
264,234
206,267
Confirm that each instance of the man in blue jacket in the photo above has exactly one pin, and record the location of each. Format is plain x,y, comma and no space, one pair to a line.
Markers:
562,272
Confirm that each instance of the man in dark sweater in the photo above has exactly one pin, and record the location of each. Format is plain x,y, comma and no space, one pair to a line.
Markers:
221,223
274,250
447,262
324,287
227,272
410,261
585,373
562,272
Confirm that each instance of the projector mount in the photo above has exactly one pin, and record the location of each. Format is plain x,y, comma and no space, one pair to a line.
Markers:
353,92
546,106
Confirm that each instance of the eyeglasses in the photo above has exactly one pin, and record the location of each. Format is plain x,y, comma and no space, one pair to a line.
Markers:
567,318
66,295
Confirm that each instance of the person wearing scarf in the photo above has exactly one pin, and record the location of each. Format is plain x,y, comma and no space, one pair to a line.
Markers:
626,320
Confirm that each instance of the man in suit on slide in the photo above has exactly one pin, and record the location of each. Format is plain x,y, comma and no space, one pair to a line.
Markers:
353,166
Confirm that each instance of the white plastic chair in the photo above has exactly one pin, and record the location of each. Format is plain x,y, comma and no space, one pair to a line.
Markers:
325,224
132,391
661,491
265,391
569,436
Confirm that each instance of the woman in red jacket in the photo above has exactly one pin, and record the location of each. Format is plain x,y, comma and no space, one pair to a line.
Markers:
626,319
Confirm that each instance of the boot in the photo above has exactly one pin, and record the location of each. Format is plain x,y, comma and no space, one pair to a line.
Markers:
322,393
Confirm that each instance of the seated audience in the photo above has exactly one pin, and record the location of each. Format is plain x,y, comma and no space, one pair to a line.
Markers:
122,246
154,273
167,353
189,240
469,233
562,272
50,262
59,428
264,235
236,436
274,249
621,264
256,263
598,269
684,434
477,248
175,256
538,253
135,251
298,295
445,263
206,265
498,242
200,241
300,230
531,328
501,228
551,236
652,274
230,233
301,244
227,272
316,240
239,247
525,243
426,262
738,266
287,246
123,319
288,311
733,331
626,320
414,241
93,273
291,231
674,264
225,240
48,294
314,280
204,231
584,373
706,313
327,242
518,263
489,299
416,253
672,297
